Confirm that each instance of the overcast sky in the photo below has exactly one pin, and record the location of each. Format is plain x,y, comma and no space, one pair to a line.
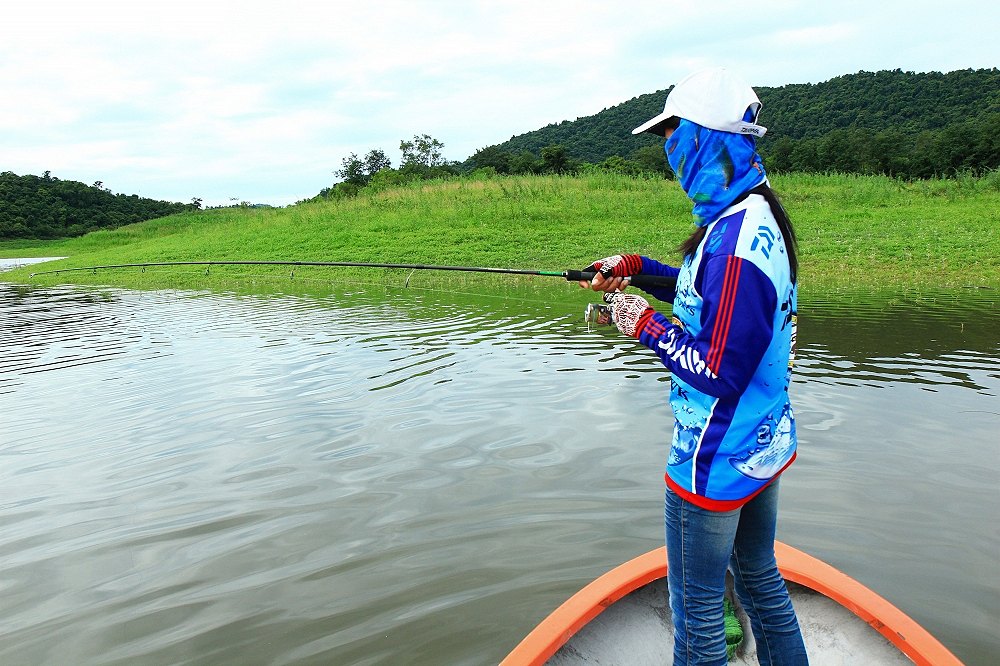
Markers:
259,101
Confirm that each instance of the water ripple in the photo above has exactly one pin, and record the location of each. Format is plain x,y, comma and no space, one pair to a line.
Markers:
204,478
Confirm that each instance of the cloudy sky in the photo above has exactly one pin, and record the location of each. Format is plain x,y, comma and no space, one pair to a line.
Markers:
250,100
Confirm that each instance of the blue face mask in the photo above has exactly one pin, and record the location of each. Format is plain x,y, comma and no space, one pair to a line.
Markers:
713,167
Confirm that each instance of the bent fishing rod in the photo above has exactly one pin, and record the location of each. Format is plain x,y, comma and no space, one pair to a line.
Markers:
644,281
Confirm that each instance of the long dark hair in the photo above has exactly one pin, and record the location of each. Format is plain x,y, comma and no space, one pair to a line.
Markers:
690,245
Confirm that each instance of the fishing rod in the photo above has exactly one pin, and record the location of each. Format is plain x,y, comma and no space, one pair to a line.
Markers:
651,281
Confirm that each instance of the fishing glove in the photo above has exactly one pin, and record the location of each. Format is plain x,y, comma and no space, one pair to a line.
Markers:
619,265
628,311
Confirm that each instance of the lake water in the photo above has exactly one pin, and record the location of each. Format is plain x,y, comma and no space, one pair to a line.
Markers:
405,476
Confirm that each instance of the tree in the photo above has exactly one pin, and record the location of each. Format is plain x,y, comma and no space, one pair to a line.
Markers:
359,172
652,159
491,156
804,157
887,154
352,170
525,162
375,161
387,178
619,164
555,159
779,157
424,150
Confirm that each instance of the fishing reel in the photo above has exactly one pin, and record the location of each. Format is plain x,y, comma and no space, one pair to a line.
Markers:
597,313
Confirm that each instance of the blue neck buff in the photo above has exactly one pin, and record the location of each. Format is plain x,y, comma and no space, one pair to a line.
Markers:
713,167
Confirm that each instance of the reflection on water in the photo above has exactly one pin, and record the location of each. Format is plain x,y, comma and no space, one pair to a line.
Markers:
949,339
402,476
10,264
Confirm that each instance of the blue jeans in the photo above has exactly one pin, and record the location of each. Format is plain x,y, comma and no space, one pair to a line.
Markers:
701,545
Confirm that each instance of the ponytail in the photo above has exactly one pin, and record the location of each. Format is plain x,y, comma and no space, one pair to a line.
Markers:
784,225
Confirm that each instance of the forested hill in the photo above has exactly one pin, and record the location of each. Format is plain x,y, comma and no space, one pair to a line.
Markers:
896,113
47,207
889,100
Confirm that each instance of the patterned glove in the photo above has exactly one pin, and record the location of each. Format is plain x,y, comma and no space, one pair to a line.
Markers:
627,310
619,265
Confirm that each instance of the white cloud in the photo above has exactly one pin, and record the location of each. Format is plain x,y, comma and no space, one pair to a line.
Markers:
814,36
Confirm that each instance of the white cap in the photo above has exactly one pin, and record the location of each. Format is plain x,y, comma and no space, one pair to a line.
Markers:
713,98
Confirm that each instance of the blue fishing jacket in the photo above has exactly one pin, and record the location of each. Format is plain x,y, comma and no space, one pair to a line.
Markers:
729,347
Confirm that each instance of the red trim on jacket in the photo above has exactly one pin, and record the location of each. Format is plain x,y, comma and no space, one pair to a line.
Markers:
724,318
721,505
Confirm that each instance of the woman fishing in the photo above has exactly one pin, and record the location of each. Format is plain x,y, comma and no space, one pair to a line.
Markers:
729,348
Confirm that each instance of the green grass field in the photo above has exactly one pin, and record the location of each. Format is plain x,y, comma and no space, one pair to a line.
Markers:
855,232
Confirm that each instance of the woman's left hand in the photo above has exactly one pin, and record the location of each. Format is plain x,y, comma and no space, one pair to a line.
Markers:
627,310
612,272
605,284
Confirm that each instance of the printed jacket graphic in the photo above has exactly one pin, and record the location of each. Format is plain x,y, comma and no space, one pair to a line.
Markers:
729,348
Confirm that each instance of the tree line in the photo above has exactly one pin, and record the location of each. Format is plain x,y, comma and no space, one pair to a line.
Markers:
47,207
904,124
968,146
422,159
901,124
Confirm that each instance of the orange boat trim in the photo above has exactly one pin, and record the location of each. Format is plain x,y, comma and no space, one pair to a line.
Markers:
902,631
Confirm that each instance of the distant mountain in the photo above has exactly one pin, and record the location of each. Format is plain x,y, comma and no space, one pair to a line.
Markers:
865,105
47,207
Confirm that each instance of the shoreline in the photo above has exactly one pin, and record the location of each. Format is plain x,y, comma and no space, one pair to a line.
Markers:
854,232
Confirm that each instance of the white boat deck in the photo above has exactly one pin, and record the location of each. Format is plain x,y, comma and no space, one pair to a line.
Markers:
637,630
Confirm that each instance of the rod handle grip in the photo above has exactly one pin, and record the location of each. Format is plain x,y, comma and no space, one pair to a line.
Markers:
640,280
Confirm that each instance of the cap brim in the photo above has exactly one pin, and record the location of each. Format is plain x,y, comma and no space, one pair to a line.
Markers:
653,122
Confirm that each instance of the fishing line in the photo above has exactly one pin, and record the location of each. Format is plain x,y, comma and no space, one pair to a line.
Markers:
593,314
653,281
251,279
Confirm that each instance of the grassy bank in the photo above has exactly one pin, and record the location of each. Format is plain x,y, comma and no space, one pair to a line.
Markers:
854,232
